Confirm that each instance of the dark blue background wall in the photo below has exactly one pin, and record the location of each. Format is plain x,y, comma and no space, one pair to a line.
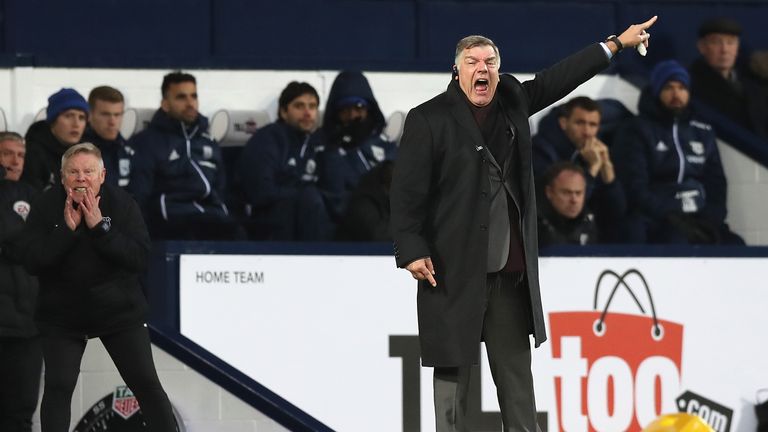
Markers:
405,35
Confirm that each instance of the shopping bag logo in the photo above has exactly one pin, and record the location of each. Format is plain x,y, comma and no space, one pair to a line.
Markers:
615,371
124,402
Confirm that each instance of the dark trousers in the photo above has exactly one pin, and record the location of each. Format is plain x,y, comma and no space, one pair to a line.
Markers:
130,351
21,363
505,331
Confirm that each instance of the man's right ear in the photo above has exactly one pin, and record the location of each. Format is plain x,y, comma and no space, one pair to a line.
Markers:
455,72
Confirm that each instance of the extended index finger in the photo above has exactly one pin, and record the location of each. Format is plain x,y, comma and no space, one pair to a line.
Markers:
649,23
431,279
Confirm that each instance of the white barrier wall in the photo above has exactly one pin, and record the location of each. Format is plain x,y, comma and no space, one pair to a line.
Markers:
24,91
336,336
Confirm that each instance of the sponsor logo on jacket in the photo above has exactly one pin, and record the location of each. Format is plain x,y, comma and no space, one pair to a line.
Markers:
21,208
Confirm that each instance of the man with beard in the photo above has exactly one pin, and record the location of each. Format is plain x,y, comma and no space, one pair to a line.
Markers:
48,139
278,171
178,174
352,128
670,165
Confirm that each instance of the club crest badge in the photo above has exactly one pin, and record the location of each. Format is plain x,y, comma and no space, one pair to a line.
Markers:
697,147
21,208
125,167
378,153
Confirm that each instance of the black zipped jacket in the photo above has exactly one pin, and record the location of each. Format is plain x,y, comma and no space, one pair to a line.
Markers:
18,289
89,278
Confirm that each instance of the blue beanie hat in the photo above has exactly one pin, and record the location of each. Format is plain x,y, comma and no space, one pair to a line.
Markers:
669,70
349,101
63,100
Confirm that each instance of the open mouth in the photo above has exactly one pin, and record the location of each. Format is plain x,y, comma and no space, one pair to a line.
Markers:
79,189
481,85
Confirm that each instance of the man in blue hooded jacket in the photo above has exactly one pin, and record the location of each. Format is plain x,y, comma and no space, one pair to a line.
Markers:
178,174
670,165
352,127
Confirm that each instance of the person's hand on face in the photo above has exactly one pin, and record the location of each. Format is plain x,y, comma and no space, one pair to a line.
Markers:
73,213
82,177
90,208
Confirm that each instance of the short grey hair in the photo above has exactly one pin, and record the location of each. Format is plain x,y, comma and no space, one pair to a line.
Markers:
82,148
474,41
12,136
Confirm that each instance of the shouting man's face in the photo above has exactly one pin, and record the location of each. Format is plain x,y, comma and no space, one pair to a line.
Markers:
479,74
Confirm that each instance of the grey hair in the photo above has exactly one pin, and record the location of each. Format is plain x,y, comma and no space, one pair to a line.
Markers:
12,136
474,41
82,148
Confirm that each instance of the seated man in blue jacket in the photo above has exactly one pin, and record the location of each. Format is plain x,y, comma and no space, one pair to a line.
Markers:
178,175
575,138
105,118
352,127
670,165
278,171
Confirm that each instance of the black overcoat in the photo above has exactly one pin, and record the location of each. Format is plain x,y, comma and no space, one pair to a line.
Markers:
440,205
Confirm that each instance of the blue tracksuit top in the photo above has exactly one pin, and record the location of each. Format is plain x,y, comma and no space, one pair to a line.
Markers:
670,163
177,169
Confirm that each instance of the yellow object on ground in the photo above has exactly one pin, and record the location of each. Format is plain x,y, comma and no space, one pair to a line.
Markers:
679,422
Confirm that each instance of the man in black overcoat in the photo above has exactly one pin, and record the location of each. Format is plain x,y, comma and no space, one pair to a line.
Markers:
464,221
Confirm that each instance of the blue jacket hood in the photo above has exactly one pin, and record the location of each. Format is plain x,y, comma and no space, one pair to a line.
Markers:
352,83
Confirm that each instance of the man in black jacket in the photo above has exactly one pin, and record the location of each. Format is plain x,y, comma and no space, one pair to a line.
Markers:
87,243
721,81
20,356
564,218
48,139
575,138
464,221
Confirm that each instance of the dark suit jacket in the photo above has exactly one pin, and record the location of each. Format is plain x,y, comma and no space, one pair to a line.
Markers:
440,205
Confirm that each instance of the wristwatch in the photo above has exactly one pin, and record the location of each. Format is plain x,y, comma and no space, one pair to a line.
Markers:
616,41
104,226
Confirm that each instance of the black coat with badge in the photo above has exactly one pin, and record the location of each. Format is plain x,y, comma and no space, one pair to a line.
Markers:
18,289
89,278
440,204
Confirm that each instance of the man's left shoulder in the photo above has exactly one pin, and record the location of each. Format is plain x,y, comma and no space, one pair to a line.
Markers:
508,79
